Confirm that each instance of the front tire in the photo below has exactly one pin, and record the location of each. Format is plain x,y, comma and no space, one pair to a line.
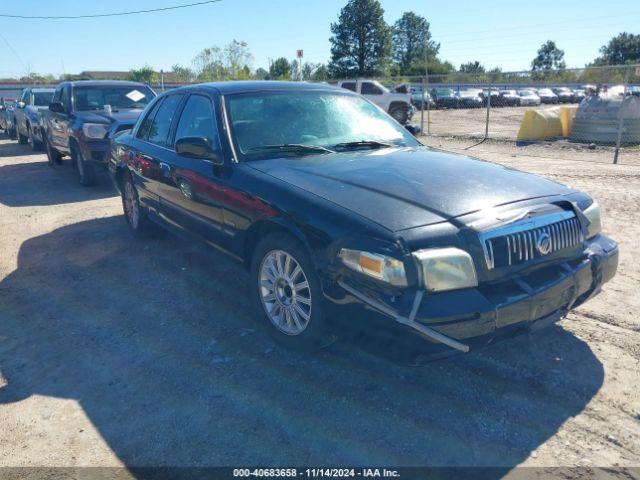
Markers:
287,291
35,145
84,170
54,158
22,139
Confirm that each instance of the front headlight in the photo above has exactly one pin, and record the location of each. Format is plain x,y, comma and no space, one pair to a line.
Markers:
446,269
95,130
381,267
592,212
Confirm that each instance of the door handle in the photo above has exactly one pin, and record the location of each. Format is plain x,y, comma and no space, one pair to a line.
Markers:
166,169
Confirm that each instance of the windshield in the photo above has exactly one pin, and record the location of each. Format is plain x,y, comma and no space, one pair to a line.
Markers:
526,93
508,92
119,97
318,119
42,99
444,92
545,91
469,93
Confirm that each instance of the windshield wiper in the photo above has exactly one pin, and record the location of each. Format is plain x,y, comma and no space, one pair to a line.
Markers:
292,147
363,143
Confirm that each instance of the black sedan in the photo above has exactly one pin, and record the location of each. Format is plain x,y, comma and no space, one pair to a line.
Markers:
470,99
564,94
445,97
342,216
509,98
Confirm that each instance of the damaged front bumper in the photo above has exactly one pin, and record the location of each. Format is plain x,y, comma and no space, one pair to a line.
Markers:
532,300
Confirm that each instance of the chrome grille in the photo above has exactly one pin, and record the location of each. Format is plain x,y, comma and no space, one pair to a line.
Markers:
521,242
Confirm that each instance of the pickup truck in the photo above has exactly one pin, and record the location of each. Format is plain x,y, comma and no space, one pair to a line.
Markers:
398,105
83,117
28,115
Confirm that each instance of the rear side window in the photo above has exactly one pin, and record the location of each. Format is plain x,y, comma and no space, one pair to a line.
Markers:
145,126
160,126
349,86
197,120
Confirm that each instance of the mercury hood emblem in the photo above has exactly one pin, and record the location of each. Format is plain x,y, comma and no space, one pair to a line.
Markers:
543,243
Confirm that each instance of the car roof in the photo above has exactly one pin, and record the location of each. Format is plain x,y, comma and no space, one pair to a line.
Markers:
261,86
42,90
98,83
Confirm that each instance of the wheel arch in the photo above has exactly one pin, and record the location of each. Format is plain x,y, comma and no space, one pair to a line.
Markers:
262,228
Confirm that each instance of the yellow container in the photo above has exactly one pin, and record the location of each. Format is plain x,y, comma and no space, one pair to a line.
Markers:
567,114
540,124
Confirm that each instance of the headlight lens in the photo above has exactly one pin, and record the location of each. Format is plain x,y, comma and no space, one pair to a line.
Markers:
95,130
592,212
446,269
381,267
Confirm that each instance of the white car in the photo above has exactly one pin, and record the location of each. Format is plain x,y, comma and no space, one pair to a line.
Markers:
528,97
398,105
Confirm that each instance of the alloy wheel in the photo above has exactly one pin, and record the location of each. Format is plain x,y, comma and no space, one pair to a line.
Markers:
130,204
284,292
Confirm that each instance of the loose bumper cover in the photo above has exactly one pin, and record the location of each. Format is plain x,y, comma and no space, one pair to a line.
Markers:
532,300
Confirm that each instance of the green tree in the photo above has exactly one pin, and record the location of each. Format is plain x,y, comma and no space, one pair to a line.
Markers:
361,40
280,69
621,49
236,59
183,74
144,74
261,74
411,36
472,67
321,73
208,65
549,57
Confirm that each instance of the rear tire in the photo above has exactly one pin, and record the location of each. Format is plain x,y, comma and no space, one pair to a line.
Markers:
287,292
400,115
135,216
85,172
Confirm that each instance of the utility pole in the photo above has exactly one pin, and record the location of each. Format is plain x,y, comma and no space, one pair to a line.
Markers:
300,54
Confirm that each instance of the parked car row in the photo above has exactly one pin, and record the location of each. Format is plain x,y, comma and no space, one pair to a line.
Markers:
448,97
77,119
342,217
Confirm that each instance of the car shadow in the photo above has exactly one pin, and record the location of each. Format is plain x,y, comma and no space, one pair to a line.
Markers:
37,184
11,148
157,342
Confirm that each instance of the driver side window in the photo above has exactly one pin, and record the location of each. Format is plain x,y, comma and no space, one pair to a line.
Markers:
198,120
369,88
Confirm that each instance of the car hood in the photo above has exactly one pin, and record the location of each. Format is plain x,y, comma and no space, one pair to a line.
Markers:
121,116
401,188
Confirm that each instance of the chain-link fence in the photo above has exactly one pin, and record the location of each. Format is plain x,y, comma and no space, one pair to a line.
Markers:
594,110
589,108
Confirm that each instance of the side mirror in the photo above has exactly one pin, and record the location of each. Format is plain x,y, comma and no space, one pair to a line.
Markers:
198,147
413,129
56,107
21,105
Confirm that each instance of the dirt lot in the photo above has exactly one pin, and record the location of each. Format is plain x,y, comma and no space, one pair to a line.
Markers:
504,123
117,351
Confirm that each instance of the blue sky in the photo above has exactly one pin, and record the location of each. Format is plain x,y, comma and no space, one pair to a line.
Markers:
504,33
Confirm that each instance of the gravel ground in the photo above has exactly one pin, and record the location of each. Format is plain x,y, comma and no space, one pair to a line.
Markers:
117,351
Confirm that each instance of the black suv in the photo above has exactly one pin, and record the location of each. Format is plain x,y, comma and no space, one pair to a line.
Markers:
84,115
336,208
